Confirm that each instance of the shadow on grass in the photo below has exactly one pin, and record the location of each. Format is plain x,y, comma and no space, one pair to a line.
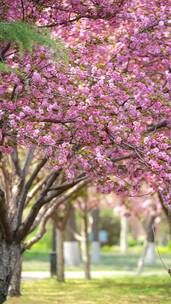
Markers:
100,291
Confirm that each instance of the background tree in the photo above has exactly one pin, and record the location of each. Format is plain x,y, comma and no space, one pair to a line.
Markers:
95,250
71,245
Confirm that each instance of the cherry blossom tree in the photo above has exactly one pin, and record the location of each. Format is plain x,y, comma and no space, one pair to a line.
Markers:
28,84
111,100
104,111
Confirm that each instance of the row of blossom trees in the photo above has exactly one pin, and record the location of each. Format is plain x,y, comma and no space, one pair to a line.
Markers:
100,114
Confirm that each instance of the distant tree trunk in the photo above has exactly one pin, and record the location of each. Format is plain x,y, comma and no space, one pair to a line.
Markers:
148,255
71,246
95,254
84,245
60,220
53,257
169,224
9,256
123,234
15,284
167,213
60,255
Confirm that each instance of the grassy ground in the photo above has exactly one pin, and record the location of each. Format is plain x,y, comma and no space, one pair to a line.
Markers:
114,291
113,260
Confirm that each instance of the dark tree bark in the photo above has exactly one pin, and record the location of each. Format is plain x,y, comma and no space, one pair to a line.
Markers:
9,256
15,284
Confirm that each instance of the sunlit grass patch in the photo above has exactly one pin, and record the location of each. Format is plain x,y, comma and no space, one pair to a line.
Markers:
101,291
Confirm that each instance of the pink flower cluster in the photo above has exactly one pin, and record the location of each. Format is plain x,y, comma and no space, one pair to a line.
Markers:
107,111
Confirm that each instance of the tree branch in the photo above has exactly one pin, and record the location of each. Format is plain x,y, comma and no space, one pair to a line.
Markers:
55,205
28,160
159,125
38,236
88,15
26,225
23,11
4,50
34,191
36,171
66,22
15,160
66,186
24,188
117,159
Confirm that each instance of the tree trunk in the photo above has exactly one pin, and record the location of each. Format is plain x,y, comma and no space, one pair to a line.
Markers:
15,284
9,256
60,255
71,246
168,216
148,256
150,253
85,249
95,254
53,257
167,213
123,234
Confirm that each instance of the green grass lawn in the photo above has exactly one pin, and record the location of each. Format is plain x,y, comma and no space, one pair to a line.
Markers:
39,261
107,291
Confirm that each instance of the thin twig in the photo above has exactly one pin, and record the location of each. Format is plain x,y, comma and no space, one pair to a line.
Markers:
157,249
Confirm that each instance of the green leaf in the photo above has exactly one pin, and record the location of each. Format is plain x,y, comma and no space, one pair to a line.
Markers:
26,35
6,69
